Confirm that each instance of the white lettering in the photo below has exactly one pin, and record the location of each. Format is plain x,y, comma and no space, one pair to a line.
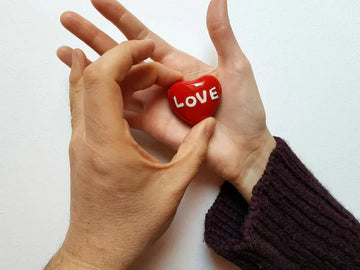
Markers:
193,103
178,105
213,93
202,99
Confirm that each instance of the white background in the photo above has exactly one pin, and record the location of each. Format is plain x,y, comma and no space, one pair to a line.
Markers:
306,58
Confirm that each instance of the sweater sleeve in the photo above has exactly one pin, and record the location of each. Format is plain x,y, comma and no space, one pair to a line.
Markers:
292,222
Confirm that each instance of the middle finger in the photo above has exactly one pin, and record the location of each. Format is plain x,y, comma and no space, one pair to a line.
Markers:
87,32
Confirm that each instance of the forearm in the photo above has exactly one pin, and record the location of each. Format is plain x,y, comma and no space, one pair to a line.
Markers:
292,222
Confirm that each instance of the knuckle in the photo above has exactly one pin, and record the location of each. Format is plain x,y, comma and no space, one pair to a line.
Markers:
72,150
143,34
73,79
92,74
219,28
246,66
126,44
96,162
94,158
243,67
153,68
75,118
74,146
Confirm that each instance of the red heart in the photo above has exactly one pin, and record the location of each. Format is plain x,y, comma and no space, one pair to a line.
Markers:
196,100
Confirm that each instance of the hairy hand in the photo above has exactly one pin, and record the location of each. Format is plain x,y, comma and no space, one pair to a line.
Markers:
122,198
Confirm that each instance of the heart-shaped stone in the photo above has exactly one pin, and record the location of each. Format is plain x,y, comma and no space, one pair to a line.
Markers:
196,100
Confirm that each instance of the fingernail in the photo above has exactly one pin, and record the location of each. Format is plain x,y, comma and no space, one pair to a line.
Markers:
180,75
210,126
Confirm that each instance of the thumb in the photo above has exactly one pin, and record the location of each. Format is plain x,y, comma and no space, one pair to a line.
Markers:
221,33
192,152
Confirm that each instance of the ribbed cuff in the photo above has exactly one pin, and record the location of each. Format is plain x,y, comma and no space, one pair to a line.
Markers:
292,222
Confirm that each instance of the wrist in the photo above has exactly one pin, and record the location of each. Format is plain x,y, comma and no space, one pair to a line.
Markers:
255,166
63,260
85,253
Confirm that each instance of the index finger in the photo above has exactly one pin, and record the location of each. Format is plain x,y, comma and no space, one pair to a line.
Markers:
131,26
103,104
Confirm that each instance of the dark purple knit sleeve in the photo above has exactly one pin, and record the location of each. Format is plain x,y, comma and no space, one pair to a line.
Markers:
292,222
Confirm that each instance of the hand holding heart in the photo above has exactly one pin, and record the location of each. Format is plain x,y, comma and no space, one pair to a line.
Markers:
122,199
241,144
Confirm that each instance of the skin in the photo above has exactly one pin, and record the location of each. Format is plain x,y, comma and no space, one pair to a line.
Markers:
122,198
242,143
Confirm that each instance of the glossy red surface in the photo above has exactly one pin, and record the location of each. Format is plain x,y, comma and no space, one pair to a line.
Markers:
196,100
